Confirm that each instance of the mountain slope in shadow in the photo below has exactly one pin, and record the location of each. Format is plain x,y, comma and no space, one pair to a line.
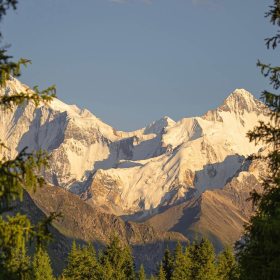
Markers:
83,223
58,250
218,214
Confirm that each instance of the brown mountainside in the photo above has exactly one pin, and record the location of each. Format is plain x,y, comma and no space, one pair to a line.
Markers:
83,223
218,214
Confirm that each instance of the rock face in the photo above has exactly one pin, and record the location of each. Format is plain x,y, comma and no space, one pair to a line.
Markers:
136,174
218,214
83,223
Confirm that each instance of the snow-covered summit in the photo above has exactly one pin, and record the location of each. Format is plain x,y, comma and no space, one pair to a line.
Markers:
157,126
135,173
241,101
13,86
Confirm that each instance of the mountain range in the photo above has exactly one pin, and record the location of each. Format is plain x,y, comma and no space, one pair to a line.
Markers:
190,176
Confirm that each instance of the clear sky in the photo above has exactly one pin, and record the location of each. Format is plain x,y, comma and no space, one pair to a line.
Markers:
132,62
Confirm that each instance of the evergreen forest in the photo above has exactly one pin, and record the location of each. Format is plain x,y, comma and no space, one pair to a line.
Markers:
195,261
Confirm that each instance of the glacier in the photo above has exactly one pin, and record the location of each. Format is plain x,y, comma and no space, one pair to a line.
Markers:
135,174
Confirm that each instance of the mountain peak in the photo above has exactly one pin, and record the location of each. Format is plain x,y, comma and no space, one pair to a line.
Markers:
237,103
240,94
13,86
242,91
157,126
241,101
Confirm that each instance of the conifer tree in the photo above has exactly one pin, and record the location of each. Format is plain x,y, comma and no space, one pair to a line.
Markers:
18,266
88,262
161,275
181,263
42,269
20,172
141,273
167,263
195,257
128,263
227,266
203,260
115,261
81,263
152,277
259,252
72,261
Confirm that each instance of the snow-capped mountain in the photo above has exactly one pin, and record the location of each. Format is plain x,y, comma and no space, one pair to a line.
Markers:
132,174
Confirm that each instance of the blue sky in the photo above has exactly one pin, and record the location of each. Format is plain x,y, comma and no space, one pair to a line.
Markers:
132,62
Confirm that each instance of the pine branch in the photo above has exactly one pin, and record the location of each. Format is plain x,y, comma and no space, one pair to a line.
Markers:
5,5
272,71
20,173
19,99
18,229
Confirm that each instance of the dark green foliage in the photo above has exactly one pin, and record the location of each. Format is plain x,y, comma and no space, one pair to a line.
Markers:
5,5
141,273
198,262
259,252
15,175
167,263
41,269
72,262
81,263
161,275
181,263
21,172
18,266
115,261
227,265
203,260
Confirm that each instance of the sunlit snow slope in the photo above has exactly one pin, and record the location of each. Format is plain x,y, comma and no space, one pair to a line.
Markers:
133,174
